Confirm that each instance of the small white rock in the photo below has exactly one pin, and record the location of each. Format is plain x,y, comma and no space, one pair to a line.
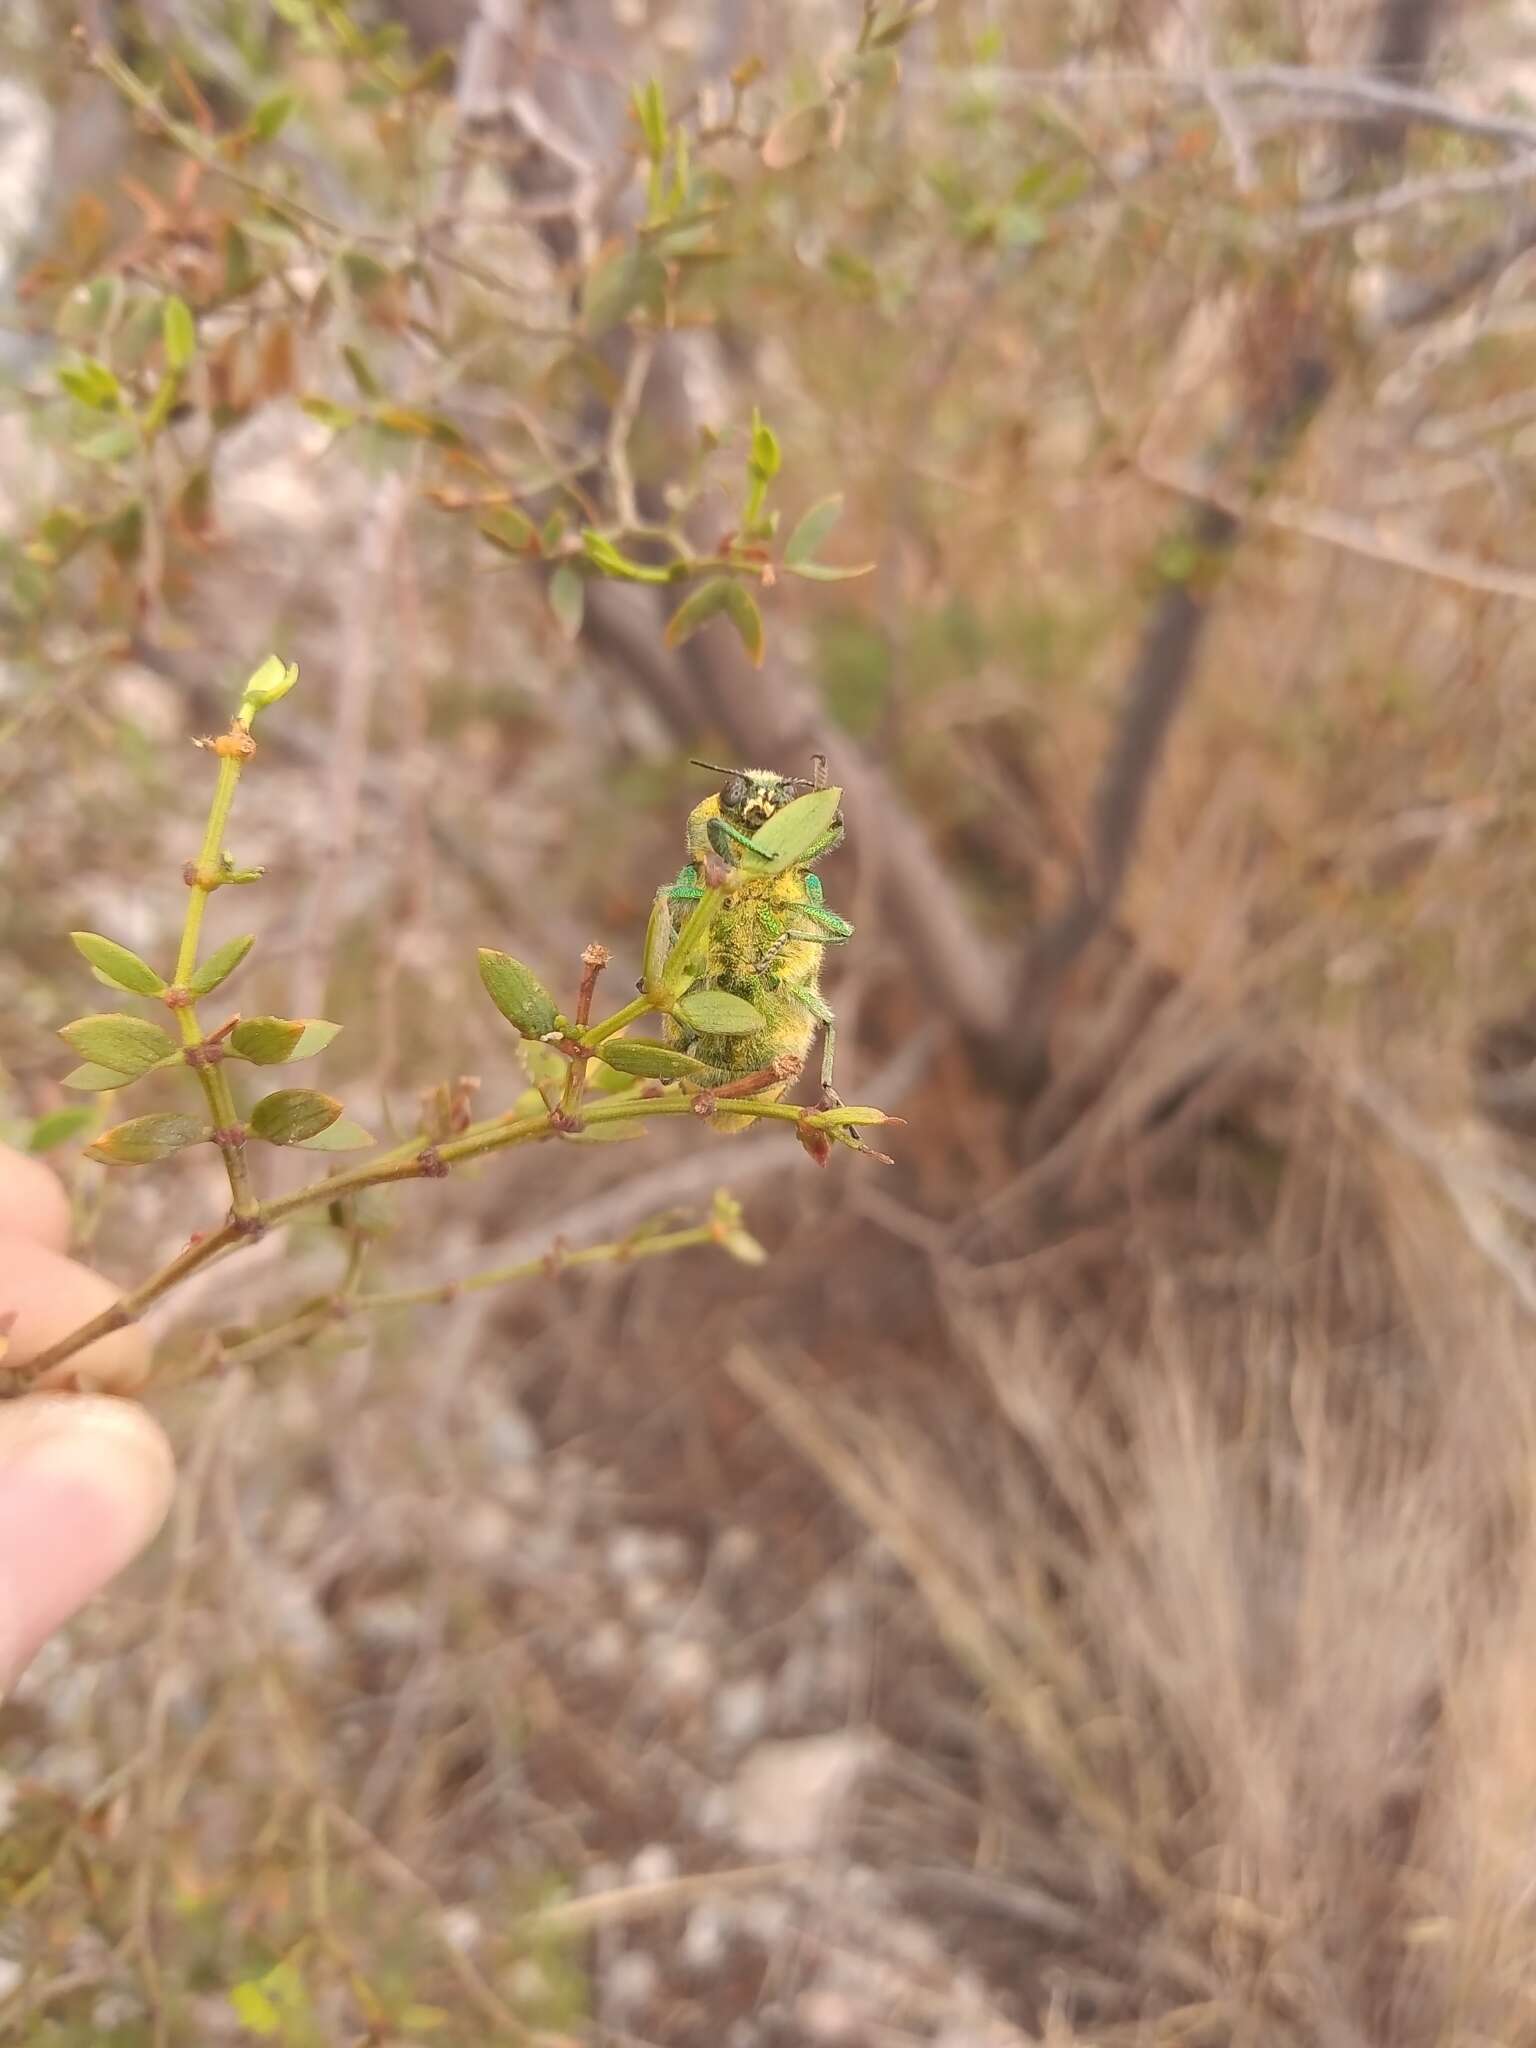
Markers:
654,1864
683,1671
741,1711
511,1439
651,1600
606,1650
460,1928
525,1983
714,1811
114,2010
786,1796
734,1550
836,1603
628,1553
388,1621
706,1940
630,1982
484,1532
827,2015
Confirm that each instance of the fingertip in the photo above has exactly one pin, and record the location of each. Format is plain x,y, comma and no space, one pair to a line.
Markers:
85,1482
50,1296
33,1202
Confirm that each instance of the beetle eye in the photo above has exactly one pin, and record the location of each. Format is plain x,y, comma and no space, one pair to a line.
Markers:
735,794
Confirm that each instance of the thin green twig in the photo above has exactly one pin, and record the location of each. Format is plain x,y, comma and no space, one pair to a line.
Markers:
202,880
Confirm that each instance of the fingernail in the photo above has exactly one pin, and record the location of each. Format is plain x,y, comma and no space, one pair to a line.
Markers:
84,1485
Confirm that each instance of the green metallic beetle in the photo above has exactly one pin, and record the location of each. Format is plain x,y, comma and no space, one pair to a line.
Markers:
765,945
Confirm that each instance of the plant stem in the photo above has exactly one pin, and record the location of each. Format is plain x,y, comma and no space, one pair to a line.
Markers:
228,1133
208,862
619,1252
415,1160
611,1026
309,1322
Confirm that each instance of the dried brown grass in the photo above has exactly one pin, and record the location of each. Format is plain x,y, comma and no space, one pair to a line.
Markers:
1238,1550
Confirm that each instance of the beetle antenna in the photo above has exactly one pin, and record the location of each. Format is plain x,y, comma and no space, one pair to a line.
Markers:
818,771
714,767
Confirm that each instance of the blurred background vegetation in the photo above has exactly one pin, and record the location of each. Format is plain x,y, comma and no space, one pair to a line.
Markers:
1079,1588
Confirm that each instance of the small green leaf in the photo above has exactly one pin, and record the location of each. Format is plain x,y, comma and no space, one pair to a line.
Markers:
521,998
126,1045
95,1080
255,2011
116,966
272,680
622,282
797,134
605,1080
890,24
91,309
765,458
567,599
410,423
741,609
219,966
651,113
341,1136
272,116
124,532
337,417
658,937
508,529
109,444
793,833
92,384
719,594
293,1116
178,331
722,1016
59,1126
362,371
827,572
144,1139
318,1033
602,554
697,609
545,1066
266,1041
433,70
60,533
239,265
743,1246
654,1062
812,530
159,409
1178,559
